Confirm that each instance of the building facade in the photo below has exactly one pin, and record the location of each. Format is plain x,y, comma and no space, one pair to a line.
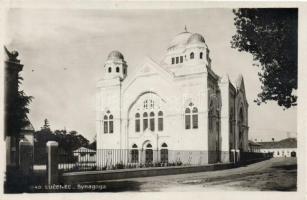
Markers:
174,110
282,148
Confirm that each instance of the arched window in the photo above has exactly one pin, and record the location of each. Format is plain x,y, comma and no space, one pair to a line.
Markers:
134,154
108,122
105,124
152,121
137,122
195,118
110,69
160,121
164,153
191,117
191,55
145,104
111,124
152,104
117,69
201,55
145,121
187,118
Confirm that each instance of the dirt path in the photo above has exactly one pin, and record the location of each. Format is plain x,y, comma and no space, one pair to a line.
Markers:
276,174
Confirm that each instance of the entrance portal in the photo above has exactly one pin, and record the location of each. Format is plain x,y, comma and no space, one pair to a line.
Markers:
148,154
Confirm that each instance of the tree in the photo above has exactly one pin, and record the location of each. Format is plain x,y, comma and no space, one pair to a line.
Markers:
270,35
22,110
93,145
46,124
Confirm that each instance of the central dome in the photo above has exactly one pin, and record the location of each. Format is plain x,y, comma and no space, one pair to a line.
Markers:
196,38
186,38
180,39
115,55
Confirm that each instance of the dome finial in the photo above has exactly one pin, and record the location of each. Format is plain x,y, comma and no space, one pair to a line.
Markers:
185,28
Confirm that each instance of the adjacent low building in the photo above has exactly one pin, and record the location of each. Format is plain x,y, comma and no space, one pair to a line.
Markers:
85,155
282,148
253,146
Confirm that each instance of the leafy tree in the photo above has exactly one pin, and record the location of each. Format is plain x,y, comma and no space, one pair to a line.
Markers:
270,35
68,142
93,145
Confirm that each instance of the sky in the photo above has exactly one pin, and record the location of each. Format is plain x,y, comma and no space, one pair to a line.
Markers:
64,50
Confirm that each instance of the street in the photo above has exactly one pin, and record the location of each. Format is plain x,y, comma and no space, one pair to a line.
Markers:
279,174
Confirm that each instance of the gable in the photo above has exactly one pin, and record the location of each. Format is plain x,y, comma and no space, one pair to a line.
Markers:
147,69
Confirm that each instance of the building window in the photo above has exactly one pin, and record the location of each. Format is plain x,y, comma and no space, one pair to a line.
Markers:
191,55
177,60
134,154
110,69
195,118
187,118
152,104
137,122
105,124
125,70
164,153
111,124
191,117
117,69
108,123
173,61
181,59
152,121
145,121
160,121
201,55
145,104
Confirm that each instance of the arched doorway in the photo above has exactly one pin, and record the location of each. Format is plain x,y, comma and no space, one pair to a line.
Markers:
134,154
148,153
164,153
293,154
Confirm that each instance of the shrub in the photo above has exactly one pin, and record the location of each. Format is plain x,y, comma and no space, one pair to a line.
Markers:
119,166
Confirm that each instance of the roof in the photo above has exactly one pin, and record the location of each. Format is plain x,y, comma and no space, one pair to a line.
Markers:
253,143
115,55
29,127
185,38
286,143
83,149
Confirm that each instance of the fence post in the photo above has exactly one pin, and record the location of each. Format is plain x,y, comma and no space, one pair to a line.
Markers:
233,152
238,155
25,157
52,167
